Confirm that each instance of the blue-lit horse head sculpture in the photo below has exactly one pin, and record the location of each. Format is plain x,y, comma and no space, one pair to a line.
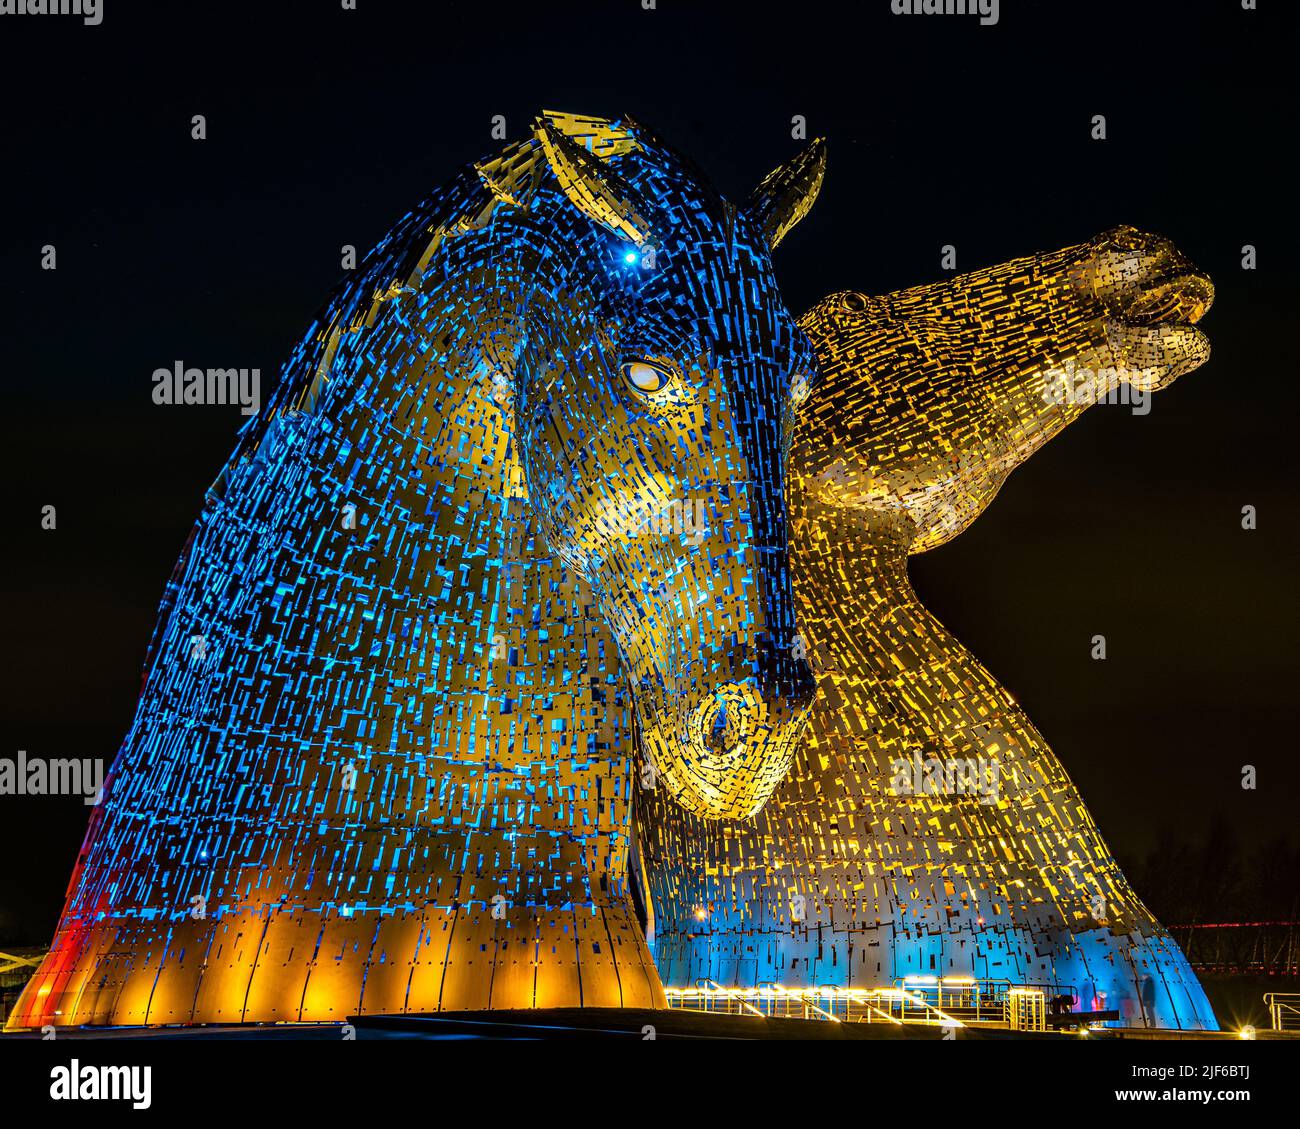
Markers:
650,426
378,760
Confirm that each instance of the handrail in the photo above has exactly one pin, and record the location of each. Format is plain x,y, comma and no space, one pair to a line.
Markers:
827,1002
1283,1010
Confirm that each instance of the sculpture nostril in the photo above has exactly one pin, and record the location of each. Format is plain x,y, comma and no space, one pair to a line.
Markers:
716,738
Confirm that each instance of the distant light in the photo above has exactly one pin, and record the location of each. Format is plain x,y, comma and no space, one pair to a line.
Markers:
630,257
1247,1032
701,914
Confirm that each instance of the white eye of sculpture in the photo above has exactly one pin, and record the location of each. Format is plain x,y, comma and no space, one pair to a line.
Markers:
645,377
800,387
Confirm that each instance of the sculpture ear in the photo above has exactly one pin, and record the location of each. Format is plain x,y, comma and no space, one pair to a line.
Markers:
593,187
784,196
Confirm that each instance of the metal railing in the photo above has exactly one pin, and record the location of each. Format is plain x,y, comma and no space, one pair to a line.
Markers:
1026,1009
968,999
936,1001
1283,1010
983,1001
828,1003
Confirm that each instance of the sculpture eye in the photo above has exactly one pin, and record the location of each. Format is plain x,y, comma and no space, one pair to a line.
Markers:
800,388
645,376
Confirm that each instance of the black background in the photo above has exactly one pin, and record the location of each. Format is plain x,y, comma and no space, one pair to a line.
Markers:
325,125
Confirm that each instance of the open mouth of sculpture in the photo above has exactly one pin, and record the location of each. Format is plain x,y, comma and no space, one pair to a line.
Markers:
1157,334
1182,298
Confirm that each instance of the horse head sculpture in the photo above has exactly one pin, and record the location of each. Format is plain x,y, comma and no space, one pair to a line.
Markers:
1110,319
380,760
928,834
650,425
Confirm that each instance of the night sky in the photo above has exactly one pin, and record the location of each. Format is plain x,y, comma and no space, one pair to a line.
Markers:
325,125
